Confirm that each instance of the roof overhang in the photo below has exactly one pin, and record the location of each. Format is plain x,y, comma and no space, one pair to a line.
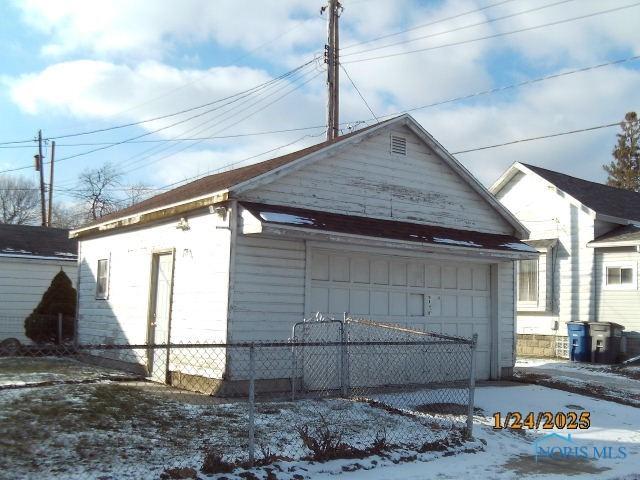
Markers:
69,258
542,245
153,215
325,226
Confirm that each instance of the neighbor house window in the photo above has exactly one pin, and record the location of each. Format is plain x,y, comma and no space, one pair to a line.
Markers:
620,276
102,280
528,281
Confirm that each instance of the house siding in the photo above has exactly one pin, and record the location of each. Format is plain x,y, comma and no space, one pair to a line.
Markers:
619,306
547,213
366,179
201,273
23,281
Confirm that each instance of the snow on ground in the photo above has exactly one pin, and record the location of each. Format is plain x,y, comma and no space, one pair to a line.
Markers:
21,371
614,382
509,455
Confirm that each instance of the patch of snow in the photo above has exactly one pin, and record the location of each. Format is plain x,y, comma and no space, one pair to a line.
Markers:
523,247
462,243
65,254
285,218
13,250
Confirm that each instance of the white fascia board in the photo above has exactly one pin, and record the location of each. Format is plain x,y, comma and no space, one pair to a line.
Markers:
106,224
507,175
38,257
465,174
627,243
313,234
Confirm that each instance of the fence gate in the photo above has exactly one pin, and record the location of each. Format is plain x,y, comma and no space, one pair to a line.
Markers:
320,367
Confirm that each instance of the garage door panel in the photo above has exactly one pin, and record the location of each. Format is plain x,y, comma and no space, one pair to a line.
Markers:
428,295
338,300
465,308
359,302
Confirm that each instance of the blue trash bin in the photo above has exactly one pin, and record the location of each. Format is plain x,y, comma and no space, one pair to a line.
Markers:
579,341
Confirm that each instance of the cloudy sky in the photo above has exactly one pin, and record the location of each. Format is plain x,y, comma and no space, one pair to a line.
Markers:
73,66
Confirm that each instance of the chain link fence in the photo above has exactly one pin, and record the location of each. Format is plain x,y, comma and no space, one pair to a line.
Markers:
336,389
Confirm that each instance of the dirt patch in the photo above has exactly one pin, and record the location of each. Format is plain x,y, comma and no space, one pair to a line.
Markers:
446,408
530,465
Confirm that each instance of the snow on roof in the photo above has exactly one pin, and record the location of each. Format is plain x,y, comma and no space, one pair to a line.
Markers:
391,229
35,241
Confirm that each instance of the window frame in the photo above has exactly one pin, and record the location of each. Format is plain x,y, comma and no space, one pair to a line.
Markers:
529,304
103,295
633,285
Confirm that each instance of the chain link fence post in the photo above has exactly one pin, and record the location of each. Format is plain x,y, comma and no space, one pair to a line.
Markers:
344,367
252,406
472,386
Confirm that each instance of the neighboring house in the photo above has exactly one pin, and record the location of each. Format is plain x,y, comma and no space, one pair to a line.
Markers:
29,259
381,223
588,241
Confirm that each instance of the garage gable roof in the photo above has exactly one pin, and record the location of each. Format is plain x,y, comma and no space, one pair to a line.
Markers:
245,178
388,229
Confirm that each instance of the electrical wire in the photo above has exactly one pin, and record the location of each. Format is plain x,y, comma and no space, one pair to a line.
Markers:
495,35
435,22
359,93
464,27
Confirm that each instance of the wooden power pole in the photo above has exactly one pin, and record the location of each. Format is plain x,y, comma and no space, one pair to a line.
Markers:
53,156
40,168
332,59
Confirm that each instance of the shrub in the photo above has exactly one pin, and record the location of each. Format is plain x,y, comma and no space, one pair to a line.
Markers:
41,325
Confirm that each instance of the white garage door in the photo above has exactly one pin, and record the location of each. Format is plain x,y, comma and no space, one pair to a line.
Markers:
444,297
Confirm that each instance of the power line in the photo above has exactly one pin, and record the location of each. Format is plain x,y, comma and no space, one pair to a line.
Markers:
359,93
541,137
495,35
464,27
187,110
417,27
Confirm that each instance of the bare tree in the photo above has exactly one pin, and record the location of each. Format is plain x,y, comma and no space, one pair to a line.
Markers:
136,193
97,190
18,200
66,215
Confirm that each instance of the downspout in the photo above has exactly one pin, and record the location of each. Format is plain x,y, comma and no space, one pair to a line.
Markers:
76,330
232,213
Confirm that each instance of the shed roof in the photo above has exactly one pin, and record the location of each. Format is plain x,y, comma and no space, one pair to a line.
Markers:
603,199
34,241
390,229
623,235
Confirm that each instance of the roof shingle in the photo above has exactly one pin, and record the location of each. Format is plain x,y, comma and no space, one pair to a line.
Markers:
603,199
28,240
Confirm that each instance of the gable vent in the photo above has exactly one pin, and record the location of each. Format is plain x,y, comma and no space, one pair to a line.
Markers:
398,145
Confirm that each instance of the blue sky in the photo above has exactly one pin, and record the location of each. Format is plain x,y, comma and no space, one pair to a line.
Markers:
72,66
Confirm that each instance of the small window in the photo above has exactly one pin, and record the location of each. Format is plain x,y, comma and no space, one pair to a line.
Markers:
398,145
102,280
620,276
528,281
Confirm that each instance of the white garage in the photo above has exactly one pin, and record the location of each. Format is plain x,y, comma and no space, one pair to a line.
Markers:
420,293
382,223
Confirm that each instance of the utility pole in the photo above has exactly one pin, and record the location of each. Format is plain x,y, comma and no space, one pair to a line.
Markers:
332,59
53,156
39,168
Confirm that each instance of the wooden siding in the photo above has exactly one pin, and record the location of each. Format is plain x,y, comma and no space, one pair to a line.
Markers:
367,180
22,284
506,296
269,288
201,272
619,306
548,214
